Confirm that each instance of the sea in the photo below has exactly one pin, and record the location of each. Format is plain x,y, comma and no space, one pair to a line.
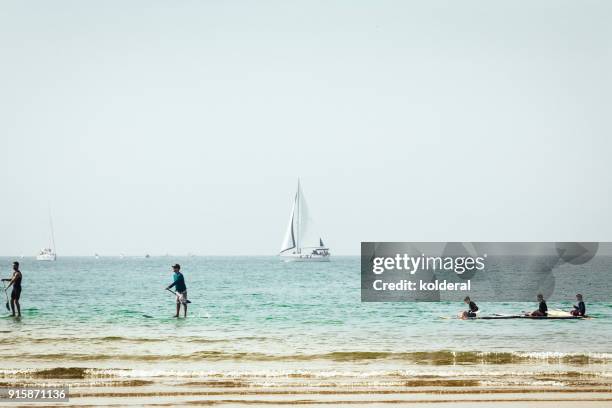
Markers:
257,321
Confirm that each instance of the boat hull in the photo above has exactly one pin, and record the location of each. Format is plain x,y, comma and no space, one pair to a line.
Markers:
45,257
305,258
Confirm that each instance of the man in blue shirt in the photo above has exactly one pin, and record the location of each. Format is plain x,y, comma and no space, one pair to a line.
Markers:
181,289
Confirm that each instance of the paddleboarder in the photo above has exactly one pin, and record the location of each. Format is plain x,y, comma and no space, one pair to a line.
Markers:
542,308
15,282
472,308
580,308
181,290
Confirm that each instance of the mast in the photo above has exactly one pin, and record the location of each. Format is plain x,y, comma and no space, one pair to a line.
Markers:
52,233
299,219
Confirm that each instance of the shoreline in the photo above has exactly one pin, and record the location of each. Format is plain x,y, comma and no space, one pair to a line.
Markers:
124,385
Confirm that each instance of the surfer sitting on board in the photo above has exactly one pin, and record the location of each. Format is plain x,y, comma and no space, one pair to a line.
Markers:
15,281
542,308
473,308
580,308
181,289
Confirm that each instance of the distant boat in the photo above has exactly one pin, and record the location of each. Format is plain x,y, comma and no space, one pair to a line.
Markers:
147,256
96,256
48,254
301,244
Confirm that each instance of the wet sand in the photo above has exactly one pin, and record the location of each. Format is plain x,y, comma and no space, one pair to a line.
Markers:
434,393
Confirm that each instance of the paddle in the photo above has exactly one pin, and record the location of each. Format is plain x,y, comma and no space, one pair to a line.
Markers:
171,291
7,299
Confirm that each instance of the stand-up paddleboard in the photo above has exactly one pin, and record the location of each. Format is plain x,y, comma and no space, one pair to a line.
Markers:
495,317
553,314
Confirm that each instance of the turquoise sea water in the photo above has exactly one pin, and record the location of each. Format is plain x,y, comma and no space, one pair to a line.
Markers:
257,314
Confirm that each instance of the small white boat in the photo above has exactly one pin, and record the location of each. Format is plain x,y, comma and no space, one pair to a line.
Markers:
301,244
48,254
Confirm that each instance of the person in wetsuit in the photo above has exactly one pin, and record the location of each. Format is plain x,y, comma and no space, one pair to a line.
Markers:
181,290
580,308
542,308
472,308
15,282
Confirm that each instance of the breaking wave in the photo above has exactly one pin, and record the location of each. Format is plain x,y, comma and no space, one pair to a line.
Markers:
441,358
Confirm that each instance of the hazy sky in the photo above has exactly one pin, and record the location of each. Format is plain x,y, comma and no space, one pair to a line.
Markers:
182,126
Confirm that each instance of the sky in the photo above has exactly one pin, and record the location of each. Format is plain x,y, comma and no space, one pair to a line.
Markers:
175,127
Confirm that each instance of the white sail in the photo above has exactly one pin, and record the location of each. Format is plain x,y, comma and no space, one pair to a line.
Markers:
308,235
301,240
289,241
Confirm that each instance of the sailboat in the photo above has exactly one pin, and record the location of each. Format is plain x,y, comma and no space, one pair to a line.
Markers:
301,244
48,254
